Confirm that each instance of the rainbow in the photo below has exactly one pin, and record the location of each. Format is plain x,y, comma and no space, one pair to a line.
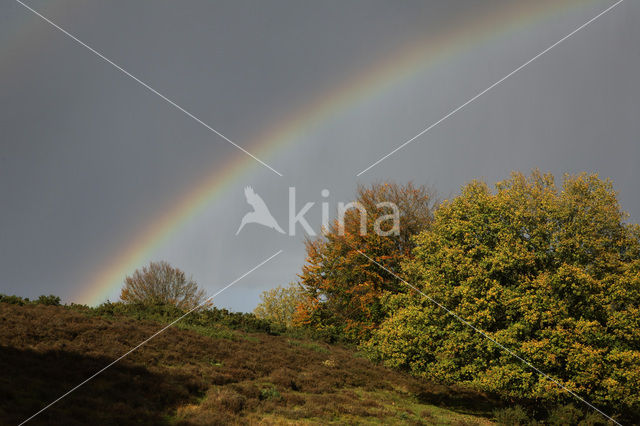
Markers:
415,58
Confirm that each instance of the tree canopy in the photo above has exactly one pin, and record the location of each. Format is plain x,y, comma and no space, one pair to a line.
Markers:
552,274
161,283
279,304
343,288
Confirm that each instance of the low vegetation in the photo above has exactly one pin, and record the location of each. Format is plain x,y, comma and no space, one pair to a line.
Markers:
216,368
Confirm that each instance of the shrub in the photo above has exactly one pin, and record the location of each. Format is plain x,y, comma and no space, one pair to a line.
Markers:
270,393
50,300
13,300
565,415
512,416
225,399
206,318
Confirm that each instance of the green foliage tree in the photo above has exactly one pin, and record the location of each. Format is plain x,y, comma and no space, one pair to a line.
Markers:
161,283
343,288
554,275
280,304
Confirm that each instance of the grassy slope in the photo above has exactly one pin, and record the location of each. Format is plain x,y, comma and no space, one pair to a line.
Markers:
201,376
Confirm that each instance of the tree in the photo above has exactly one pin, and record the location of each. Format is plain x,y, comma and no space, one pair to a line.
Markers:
161,283
343,288
279,304
552,275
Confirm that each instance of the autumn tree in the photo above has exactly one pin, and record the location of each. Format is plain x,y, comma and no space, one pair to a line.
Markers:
552,274
161,283
343,288
279,304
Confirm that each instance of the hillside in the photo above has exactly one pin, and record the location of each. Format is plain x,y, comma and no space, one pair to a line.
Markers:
202,375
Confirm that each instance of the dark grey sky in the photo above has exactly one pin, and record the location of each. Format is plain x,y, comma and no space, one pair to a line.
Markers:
88,157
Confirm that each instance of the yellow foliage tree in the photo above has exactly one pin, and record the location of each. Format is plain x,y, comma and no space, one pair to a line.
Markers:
279,304
552,274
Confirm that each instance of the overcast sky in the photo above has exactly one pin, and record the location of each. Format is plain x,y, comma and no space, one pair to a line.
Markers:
88,157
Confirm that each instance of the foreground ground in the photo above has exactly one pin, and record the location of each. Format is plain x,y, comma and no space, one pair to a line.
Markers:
211,375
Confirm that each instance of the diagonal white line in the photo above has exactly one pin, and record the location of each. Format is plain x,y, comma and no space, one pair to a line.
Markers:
491,87
146,86
501,346
152,336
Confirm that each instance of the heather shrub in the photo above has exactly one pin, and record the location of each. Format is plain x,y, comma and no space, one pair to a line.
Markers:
50,300
205,317
13,300
512,416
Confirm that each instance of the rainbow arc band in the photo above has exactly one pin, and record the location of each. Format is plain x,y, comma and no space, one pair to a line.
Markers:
406,64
